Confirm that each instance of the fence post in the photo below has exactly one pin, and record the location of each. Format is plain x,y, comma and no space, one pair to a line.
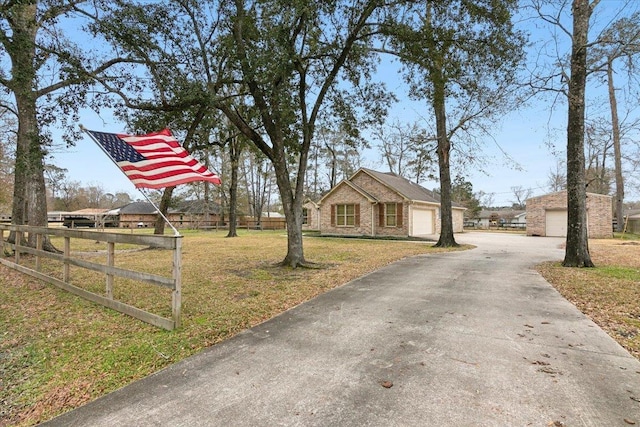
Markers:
38,247
110,262
18,242
67,254
176,298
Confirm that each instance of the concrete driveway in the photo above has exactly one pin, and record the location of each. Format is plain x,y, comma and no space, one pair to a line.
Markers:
473,338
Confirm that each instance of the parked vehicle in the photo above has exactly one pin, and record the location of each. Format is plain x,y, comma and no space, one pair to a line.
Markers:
78,221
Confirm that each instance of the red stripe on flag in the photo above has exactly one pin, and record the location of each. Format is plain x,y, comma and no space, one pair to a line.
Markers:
161,161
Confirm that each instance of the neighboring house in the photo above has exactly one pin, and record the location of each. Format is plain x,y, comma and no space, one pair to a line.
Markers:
374,203
520,219
196,214
310,215
89,217
57,216
632,222
136,214
188,214
499,217
547,215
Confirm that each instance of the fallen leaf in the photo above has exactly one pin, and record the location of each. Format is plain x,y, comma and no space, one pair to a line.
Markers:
549,370
629,421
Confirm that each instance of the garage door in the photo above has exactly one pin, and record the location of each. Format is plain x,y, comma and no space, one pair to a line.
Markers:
422,222
556,223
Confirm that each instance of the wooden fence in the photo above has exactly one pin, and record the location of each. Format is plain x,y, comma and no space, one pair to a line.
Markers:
173,243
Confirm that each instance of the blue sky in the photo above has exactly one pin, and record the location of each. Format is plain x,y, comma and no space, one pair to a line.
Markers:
522,135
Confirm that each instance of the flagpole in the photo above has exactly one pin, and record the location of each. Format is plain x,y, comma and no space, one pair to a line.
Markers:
85,130
160,212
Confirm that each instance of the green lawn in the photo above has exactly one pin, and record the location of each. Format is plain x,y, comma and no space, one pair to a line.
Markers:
58,351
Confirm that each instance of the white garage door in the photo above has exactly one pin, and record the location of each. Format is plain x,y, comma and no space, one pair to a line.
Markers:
422,222
556,223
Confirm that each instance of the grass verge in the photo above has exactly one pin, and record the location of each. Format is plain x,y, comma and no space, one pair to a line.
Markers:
58,351
609,293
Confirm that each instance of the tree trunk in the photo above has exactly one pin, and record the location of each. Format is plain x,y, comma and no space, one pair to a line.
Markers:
292,207
617,154
234,155
577,247
165,201
29,197
444,150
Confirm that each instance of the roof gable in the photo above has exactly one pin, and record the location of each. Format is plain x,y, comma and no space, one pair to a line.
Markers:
407,189
354,187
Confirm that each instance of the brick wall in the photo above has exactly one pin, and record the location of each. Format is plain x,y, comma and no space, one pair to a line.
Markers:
313,216
384,195
369,212
599,216
599,213
343,194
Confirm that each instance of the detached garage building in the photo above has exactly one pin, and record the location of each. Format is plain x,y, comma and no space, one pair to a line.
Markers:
547,215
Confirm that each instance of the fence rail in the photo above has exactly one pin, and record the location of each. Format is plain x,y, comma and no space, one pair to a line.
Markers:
173,243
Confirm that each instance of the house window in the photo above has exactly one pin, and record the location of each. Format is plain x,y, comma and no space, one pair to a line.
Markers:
390,214
345,215
305,216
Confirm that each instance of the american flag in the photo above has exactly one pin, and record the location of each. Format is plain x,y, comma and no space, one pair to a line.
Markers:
155,160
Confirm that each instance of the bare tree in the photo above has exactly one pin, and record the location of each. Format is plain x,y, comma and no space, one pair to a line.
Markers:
598,147
619,42
486,200
258,181
341,156
557,179
407,150
520,195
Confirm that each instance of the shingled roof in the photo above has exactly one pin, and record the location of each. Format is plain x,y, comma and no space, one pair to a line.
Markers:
138,208
409,190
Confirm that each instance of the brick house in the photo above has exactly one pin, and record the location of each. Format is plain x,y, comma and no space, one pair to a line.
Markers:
310,215
547,215
137,214
189,214
372,203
